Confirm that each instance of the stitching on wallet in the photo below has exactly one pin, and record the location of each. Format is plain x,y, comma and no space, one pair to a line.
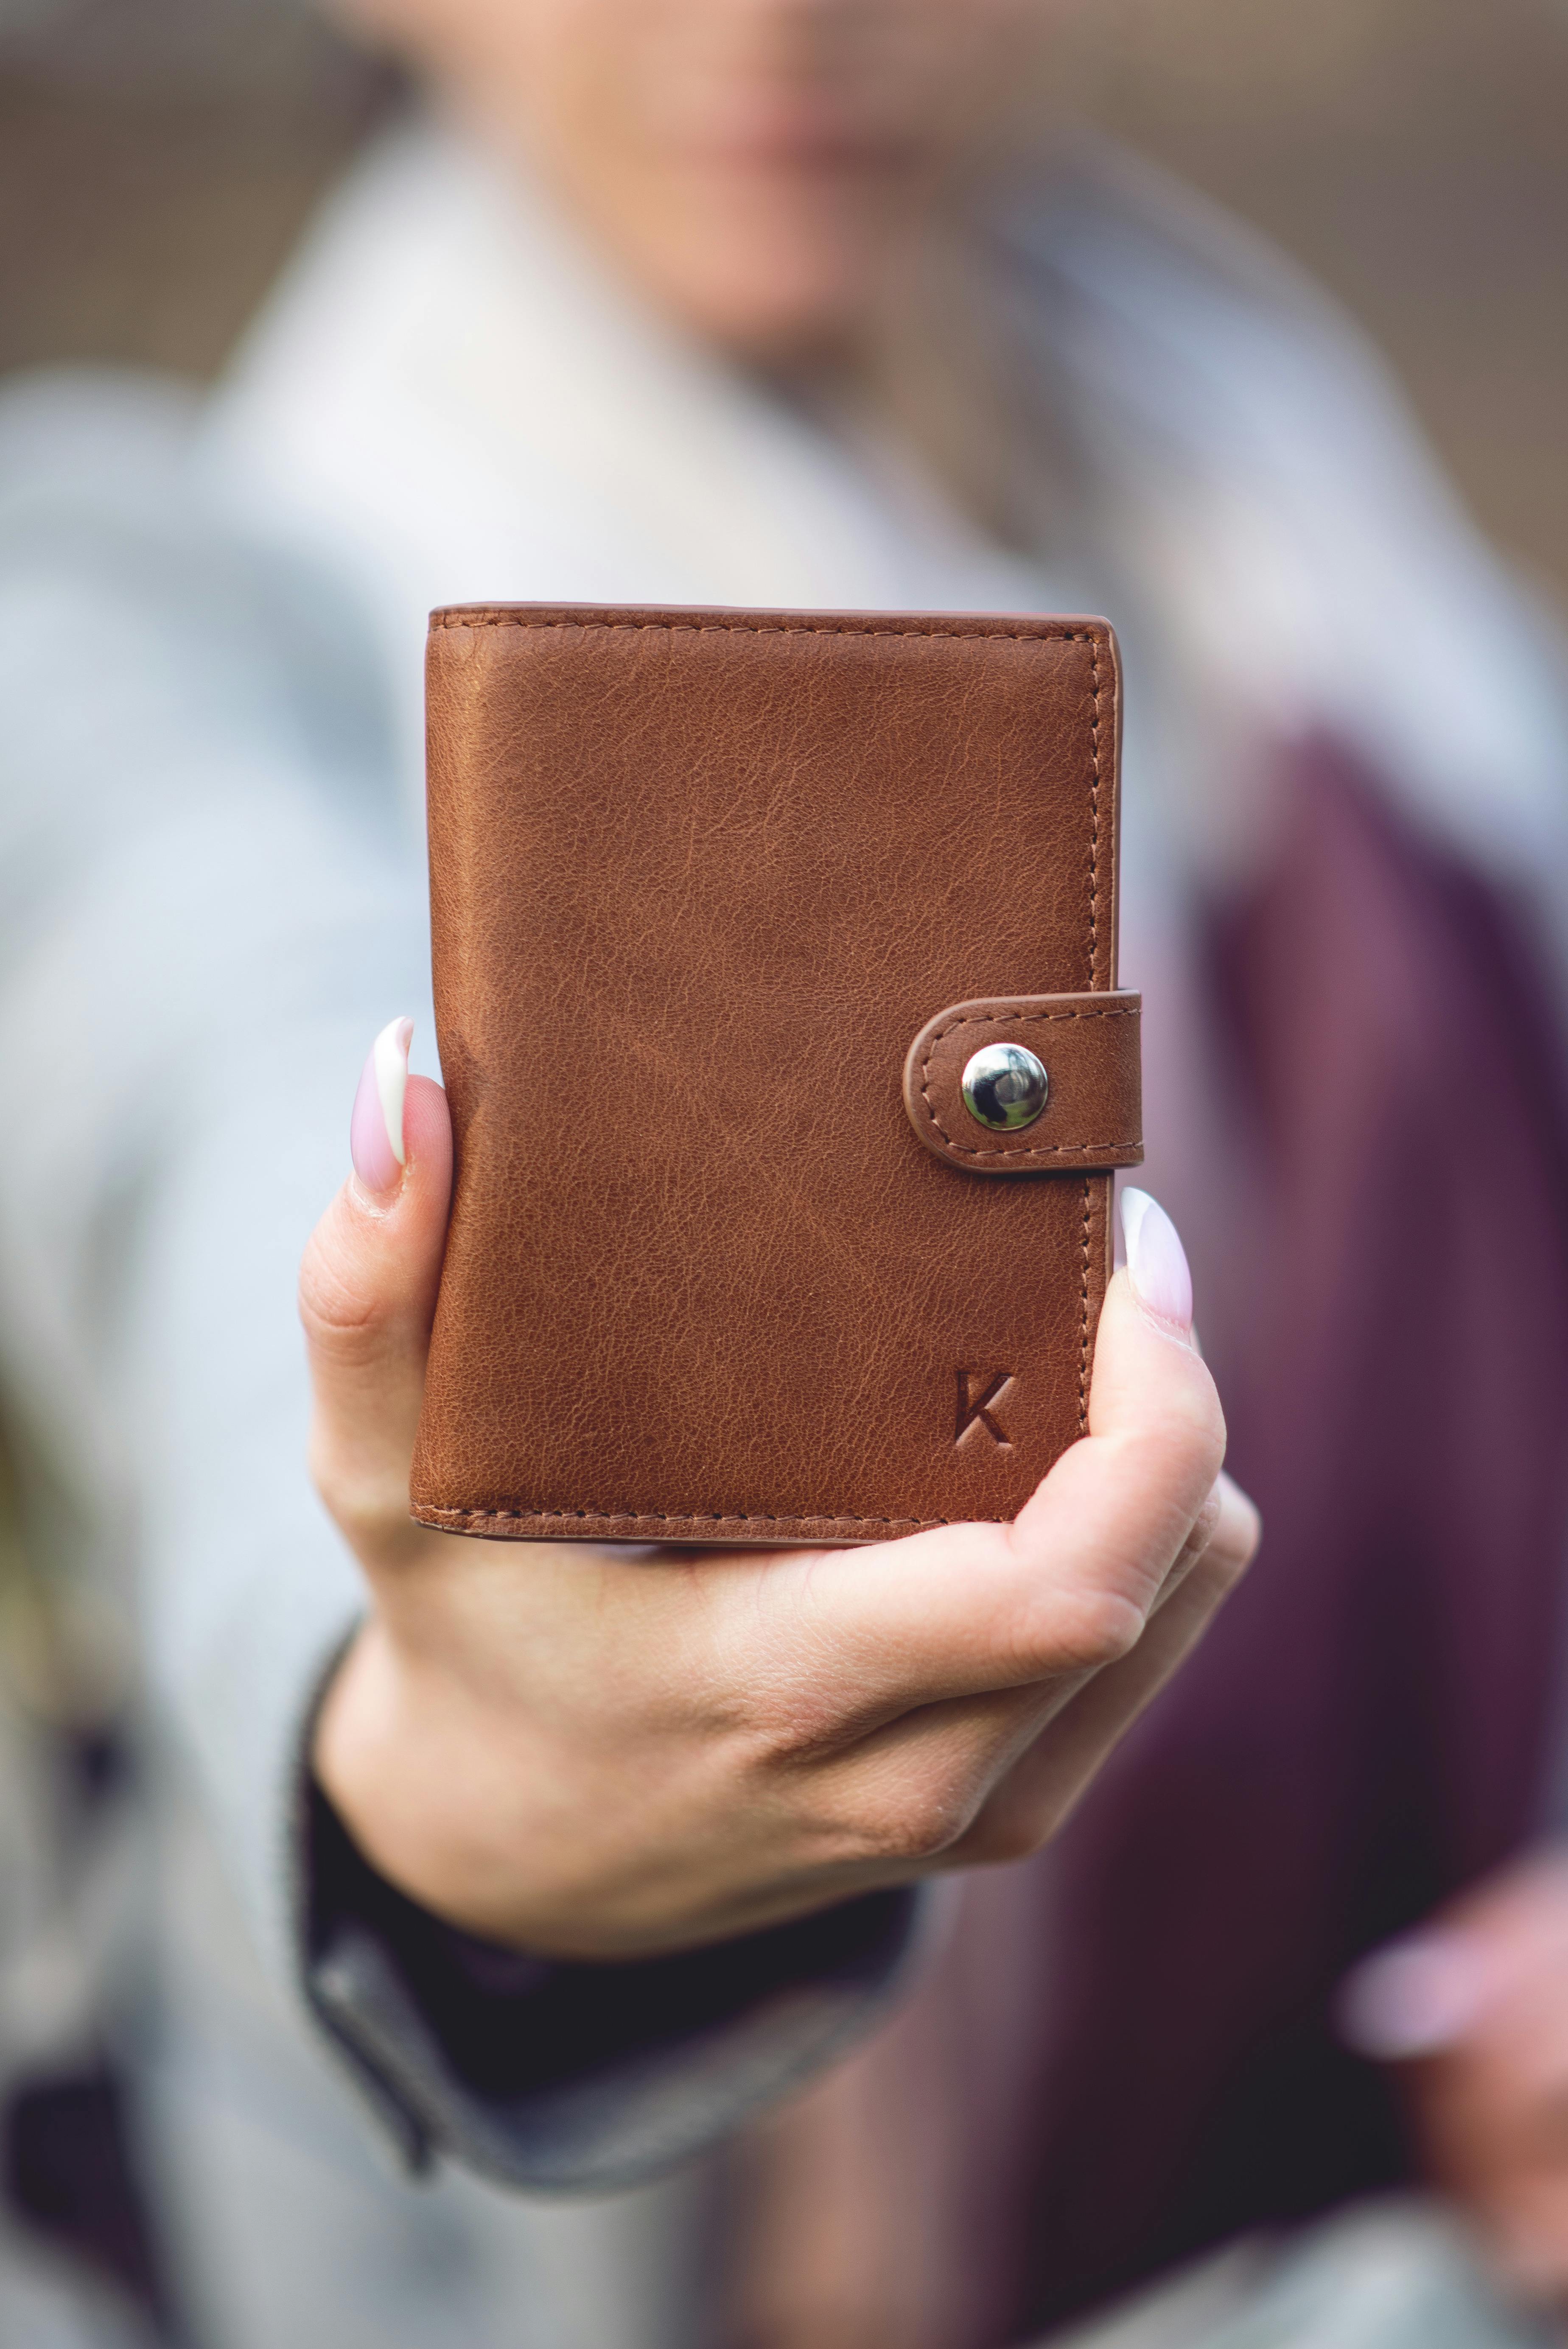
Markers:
783,629
1083,1340
1094,814
1093,954
661,1518
1017,1020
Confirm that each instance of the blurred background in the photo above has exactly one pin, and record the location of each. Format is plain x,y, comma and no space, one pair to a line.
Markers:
158,159
157,156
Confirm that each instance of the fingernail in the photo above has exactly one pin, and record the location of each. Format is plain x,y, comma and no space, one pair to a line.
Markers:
376,1128
1414,1998
1156,1260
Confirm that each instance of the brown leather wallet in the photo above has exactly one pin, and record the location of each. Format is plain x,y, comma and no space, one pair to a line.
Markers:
774,962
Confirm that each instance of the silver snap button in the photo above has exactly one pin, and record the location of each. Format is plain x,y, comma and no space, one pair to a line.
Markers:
1005,1087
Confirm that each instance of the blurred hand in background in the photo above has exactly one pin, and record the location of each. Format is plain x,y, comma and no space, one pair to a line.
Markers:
1473,2011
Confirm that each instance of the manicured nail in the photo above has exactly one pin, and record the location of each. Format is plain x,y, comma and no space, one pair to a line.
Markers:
1414,1998
376,1129
1156,1260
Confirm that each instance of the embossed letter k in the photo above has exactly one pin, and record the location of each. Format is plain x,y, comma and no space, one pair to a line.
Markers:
979,1392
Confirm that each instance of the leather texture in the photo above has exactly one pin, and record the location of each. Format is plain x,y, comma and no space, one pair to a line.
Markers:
697,877
1088,1047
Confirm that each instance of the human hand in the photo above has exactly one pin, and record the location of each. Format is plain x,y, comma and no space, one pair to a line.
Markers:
608,1750
1474,2010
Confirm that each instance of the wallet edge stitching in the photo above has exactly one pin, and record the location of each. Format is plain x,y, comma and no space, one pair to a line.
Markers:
426,1514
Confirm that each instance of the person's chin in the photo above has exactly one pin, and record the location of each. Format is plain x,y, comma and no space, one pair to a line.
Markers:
774,285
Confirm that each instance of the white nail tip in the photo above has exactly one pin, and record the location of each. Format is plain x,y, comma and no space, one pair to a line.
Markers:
1156,1260
1134,1205
390,1055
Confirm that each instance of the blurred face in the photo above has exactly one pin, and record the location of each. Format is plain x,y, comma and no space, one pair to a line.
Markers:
763,168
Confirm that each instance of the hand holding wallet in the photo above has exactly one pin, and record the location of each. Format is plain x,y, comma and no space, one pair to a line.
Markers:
773,961
775,990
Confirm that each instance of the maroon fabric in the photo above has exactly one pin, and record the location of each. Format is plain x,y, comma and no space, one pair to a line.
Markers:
1366,1727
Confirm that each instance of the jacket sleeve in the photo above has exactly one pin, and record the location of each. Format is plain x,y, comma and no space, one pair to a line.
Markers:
571,2077
211,898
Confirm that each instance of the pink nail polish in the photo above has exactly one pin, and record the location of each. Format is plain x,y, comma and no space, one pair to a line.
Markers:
376,1128
1413,1998
1156,1260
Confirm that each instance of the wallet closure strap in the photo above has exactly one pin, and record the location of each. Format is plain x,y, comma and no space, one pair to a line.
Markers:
1088,1046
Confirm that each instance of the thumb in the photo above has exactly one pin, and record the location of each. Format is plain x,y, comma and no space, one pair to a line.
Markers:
367,1292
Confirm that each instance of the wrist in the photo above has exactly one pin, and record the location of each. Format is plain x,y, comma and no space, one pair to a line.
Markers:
406,1805
441,1793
